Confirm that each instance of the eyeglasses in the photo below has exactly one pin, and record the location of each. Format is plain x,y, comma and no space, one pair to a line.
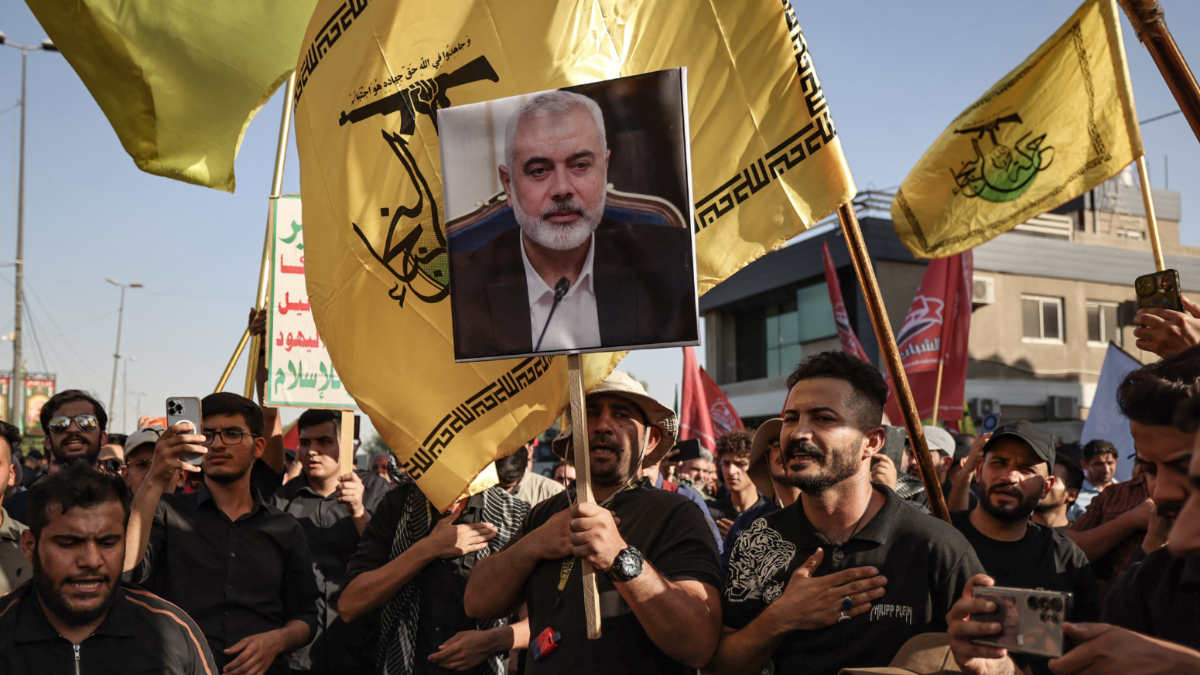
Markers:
138,464
111,466
85,421
228,435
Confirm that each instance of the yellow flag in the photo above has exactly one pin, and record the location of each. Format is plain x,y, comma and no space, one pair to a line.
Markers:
767,163
179,80
1054,127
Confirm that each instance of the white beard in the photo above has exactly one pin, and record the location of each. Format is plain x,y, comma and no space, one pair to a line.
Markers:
559,237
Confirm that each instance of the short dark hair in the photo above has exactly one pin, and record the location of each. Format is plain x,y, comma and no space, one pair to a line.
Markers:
76,484
511,468
227,403
314,416
117,439
67,396
1151,394
869,388
1074,480
1098,447
736,442
11,434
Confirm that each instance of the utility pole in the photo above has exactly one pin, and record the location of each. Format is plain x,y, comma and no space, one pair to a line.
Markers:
112,395
17,389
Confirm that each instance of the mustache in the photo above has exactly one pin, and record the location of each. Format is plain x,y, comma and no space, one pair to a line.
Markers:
561,206
1010,489
802,448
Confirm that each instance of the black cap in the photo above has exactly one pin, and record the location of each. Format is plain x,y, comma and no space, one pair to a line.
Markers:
1039,441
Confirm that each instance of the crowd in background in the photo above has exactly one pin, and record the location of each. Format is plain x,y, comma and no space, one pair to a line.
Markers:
803,546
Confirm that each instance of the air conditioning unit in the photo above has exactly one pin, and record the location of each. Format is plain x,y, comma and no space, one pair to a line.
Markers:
983,291
982,407
1062,407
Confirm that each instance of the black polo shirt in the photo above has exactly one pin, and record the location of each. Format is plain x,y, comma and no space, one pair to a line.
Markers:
926,561
1159,596
674,537
1043,558
236,578
141,634
332,537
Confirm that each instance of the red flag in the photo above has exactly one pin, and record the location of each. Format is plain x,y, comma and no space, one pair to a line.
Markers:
850,343
937,328
705,413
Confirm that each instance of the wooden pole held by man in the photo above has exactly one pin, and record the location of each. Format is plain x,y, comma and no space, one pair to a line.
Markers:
583,485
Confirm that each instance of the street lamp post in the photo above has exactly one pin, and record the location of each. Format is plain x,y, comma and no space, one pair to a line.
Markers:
17,388
112,396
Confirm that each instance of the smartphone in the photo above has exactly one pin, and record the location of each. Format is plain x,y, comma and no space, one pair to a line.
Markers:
180,408
1159,290
1032,619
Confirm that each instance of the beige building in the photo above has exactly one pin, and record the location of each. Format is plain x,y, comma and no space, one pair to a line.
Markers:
1049,296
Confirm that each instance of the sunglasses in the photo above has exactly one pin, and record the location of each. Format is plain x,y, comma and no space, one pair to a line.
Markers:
112,466
85,421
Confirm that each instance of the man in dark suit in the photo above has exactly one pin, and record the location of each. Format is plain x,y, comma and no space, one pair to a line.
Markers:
561,262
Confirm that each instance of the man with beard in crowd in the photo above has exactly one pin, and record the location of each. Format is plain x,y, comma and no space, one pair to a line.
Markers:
583,278
73,423
1013,476
697,468
655,562
1150,618
240,567
77,616
847,574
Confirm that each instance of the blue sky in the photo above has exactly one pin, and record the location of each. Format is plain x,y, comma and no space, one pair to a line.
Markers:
895,74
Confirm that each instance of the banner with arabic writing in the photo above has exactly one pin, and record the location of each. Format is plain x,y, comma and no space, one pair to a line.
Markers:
39,388
300,372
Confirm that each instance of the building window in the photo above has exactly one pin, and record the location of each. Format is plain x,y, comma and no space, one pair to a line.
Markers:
1041,319
1102,324
771,338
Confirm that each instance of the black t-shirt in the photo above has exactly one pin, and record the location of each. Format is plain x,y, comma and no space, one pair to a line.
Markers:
723,507
1159,596
672,535
1043,558
925,560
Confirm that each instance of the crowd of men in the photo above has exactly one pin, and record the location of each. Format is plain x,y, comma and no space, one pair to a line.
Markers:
804,546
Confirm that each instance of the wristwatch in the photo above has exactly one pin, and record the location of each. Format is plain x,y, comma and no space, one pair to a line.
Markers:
627,565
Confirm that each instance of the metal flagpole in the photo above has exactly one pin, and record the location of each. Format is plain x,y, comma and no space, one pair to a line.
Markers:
285,125
887,344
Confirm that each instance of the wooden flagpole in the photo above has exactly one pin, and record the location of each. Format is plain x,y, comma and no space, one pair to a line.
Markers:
1151,220
1148,22
887,344
583,485
346,443
937,392
264,270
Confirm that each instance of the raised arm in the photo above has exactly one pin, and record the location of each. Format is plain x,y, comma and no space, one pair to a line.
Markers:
175,442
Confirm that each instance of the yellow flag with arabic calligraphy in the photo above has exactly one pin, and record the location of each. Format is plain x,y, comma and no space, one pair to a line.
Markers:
1053,128
767,163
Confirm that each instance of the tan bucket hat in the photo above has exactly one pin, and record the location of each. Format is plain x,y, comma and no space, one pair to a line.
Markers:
760,471
621,383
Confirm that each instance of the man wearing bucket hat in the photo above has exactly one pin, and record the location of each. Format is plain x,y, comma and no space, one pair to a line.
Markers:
656,563
849,572
769,476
